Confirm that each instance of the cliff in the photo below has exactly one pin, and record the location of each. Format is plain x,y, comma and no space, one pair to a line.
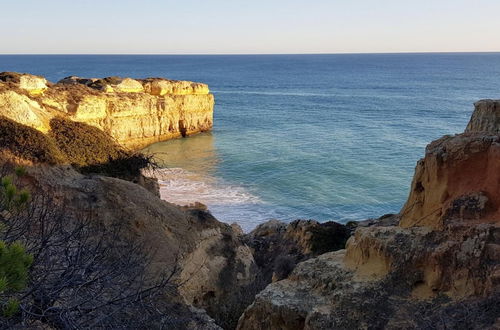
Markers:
438,268
134,112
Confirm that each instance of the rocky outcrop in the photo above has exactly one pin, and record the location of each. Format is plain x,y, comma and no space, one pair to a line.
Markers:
486,117
32,84
459,177
438,267
278,246
134,112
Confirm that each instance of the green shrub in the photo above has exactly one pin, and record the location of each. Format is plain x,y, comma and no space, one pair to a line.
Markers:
14,260
93,151
14,265
11,308
126,167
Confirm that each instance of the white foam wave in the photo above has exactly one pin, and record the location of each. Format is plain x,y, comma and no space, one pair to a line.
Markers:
183,187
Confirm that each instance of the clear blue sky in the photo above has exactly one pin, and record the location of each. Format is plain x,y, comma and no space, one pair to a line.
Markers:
258,26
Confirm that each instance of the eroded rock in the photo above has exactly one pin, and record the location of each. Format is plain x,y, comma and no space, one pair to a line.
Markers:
486,117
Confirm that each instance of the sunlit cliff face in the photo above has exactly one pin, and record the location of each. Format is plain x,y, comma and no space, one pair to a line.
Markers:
134,112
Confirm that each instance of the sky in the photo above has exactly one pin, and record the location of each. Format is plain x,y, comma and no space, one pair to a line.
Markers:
247,27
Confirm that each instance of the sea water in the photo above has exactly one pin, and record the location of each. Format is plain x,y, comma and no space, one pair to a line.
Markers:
325,137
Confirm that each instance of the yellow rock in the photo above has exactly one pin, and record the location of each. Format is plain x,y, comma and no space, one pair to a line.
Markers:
128,85
22,109
174,87
33,84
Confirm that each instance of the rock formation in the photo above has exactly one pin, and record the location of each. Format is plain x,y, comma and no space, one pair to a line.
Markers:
278,246
134,112
438,268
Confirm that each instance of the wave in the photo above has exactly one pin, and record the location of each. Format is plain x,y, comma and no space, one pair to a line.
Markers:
183,187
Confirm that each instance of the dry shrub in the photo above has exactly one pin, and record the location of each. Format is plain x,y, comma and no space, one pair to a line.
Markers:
84,144
28,143
87,148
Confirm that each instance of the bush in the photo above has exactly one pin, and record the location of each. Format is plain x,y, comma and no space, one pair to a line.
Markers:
14,264
283,266
14,260
329,236
84,144
93,151
86,147
127,167
28,143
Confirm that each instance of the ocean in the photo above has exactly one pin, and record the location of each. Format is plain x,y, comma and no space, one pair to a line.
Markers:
325,137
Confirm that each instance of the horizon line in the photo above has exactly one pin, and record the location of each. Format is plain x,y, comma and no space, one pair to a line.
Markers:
246,54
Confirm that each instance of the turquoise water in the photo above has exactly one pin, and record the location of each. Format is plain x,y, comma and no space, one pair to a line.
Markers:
326,137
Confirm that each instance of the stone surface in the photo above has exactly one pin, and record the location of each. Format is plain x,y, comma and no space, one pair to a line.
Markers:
436,265
455,171
134,112
32,84
486,117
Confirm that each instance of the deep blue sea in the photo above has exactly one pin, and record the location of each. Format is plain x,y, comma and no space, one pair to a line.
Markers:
326,137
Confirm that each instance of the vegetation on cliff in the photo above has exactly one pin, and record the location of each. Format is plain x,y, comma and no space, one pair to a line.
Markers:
28,143
87,148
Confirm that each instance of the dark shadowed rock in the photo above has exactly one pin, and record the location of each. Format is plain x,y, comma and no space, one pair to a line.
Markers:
278,246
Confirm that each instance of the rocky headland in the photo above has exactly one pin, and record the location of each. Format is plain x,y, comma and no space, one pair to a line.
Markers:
134,112
436,264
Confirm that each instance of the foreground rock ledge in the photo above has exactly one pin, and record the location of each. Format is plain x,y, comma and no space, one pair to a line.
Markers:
438,268
134,112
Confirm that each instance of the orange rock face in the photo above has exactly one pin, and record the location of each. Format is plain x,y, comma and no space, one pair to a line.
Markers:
459,179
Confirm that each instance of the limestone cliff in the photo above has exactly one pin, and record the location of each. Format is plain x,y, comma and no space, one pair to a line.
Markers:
439,268
134,112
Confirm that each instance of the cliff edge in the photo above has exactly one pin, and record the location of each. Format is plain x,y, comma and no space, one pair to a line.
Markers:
135,112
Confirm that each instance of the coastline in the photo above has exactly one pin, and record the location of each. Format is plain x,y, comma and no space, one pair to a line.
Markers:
437,257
